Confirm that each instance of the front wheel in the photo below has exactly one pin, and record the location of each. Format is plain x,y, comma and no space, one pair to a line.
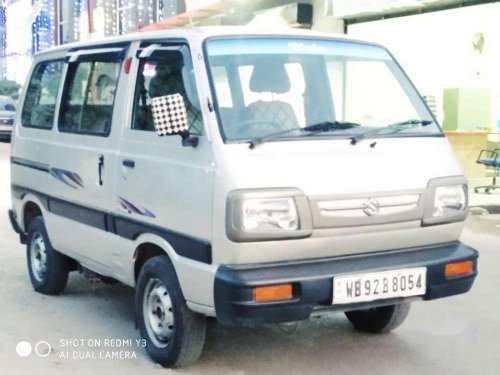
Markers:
174,334
379,319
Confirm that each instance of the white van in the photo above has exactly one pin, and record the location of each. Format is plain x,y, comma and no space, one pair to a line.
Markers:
252,177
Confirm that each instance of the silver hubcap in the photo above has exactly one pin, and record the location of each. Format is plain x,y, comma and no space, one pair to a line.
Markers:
158,312
38,255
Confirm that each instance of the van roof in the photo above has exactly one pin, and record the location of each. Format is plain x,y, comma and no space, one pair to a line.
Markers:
200,33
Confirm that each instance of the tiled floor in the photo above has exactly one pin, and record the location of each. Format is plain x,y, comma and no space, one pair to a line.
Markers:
482,199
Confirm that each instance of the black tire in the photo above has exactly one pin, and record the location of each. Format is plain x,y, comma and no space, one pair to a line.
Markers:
186,329
52,279
380,319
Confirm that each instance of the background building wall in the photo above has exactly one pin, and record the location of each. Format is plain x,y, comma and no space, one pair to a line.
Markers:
436,50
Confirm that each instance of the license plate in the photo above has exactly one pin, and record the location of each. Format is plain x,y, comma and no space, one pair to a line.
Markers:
379,285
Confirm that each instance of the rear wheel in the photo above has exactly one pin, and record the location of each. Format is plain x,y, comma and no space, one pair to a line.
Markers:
174,334
48,269
379,319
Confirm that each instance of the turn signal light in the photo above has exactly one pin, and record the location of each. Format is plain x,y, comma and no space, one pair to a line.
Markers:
272,293
458,268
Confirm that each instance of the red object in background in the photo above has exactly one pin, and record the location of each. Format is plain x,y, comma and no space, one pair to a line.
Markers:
188,18
179,20
127,65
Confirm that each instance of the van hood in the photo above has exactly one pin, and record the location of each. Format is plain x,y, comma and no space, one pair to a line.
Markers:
332,167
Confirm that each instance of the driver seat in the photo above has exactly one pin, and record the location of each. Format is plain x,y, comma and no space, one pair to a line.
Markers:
271,76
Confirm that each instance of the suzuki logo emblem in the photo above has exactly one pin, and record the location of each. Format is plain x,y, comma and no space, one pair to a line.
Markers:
371,207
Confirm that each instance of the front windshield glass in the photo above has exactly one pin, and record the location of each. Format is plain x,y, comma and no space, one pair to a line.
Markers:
265,86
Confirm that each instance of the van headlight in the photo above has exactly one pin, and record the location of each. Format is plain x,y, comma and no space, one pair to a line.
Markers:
270,214
448,201
267,214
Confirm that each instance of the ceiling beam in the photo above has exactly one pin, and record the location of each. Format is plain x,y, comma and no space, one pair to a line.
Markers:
413,11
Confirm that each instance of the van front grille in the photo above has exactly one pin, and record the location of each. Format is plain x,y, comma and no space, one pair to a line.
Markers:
367,209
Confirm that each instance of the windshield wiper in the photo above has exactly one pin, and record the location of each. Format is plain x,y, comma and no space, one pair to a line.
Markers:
397,127
316,128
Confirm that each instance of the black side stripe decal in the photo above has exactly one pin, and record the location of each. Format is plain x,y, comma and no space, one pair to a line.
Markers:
30,164
78,213
185,245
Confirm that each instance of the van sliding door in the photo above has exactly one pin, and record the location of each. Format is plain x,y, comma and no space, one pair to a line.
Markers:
83,162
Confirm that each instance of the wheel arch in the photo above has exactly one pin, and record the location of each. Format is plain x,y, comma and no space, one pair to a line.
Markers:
196,279
31,207
143,253
148,246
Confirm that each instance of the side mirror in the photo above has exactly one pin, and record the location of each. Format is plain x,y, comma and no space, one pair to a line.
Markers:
170,118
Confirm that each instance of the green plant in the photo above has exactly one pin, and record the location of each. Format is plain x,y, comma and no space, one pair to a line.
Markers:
9,88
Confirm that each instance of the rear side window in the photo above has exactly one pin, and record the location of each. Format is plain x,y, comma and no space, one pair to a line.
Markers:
87,105
41,96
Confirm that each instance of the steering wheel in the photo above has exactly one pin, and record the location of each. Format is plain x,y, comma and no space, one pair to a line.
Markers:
257,128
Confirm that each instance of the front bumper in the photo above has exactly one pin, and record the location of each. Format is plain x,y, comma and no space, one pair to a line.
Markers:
313,282
5,134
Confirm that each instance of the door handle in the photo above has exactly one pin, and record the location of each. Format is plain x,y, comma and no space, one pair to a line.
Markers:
128,163
100,167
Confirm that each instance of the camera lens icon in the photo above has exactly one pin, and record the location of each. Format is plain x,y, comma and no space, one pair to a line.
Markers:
24,349
43,349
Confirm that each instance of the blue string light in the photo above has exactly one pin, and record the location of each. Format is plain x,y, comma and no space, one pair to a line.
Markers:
109,17
3,51
76,19
120,17
42,35
34,32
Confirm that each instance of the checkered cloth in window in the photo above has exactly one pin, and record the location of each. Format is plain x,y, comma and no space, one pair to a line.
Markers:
169,114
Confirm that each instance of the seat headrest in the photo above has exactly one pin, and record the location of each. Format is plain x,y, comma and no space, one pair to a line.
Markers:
269,75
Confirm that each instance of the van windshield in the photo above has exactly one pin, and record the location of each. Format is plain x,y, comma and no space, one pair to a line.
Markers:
279,86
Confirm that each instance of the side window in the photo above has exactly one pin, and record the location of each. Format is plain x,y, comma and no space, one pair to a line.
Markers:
41,96
87,106
161,75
